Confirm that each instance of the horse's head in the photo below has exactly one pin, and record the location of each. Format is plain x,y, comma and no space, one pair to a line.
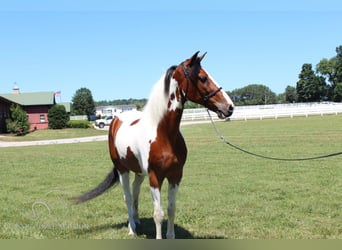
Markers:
198,86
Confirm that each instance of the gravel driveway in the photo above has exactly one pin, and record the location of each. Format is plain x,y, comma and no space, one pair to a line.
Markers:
50,142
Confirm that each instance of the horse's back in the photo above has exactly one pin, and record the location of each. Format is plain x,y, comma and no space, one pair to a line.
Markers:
129,116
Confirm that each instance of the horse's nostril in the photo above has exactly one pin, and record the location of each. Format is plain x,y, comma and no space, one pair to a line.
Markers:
231,108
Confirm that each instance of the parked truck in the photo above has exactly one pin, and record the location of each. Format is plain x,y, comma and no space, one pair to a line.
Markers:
101,123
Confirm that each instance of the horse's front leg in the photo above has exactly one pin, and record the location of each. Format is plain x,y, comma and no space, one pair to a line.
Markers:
124,179
158,213
171,210
136,190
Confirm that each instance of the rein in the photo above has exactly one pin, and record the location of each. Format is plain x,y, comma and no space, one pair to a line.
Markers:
224,140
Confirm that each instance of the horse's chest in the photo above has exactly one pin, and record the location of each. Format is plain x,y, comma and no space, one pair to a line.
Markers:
167,154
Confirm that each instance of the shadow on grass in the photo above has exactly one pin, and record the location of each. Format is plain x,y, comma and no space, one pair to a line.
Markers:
147,230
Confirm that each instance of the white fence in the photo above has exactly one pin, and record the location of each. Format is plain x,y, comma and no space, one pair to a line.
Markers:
269,111
79,117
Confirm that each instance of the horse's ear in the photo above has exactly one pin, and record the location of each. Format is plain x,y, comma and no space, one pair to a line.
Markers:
193,59
202,56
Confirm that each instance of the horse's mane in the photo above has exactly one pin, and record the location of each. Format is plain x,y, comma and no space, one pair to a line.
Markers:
157,102
167,79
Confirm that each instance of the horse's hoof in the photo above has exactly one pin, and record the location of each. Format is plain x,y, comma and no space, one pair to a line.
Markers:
131,231
170,236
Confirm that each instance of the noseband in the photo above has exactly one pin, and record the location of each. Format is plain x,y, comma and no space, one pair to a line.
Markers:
188,78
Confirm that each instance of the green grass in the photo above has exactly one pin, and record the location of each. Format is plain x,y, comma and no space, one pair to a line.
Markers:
50,134
224,193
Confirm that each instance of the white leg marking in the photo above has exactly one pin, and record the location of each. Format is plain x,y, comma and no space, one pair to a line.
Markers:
124,179
171,211
158,213
136,191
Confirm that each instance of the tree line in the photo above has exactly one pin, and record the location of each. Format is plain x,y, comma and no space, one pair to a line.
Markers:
322,83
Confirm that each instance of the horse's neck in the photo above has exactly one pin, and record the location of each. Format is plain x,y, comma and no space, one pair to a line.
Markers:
164,111
170,123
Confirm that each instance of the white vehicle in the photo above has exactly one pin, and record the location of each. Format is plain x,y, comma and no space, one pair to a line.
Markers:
101,123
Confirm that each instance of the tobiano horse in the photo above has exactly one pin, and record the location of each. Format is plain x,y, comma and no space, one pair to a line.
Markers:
149,143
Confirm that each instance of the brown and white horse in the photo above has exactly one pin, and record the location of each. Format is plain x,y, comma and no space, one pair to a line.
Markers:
149,143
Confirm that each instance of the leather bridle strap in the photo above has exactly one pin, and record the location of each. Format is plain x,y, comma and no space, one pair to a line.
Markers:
204,97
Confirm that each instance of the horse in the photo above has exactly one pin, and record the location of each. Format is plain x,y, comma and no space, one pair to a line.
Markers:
149,142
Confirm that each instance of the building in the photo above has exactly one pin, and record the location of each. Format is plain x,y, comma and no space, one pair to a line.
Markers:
112,110
35,104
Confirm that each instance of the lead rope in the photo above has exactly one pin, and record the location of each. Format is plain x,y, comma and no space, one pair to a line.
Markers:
263,156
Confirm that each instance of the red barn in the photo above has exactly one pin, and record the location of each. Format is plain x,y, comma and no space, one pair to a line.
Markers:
35,104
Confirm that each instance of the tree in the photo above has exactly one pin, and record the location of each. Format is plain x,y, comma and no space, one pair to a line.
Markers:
337,94
338,66
310,87
58,117
83,102
281,98
331,69
253,94
18,122
290,94
327,68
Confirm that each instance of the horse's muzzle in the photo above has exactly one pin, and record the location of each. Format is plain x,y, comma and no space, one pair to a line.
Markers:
225,114
230,110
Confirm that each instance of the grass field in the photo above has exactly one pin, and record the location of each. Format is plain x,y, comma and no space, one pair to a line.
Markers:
224,193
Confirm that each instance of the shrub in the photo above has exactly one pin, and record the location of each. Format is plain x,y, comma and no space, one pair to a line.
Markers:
58,117
18,122
78,124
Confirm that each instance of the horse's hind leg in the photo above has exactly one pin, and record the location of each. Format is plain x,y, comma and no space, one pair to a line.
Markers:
124,179
136,190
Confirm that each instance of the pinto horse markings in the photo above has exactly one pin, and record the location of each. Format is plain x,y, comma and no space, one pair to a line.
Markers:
149,143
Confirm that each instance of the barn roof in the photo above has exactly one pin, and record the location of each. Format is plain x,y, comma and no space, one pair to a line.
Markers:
31,99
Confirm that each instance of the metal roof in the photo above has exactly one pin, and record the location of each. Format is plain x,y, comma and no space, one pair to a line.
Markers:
31,99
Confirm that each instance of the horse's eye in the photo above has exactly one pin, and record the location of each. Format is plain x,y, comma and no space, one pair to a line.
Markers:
203,79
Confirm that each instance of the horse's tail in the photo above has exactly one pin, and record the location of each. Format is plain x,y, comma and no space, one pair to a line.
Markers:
111,179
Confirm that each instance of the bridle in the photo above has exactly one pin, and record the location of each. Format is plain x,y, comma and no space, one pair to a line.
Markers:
188,78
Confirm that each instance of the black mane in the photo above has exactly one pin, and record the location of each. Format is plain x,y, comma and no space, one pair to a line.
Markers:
167,79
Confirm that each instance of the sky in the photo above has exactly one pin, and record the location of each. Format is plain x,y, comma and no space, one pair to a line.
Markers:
120,49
